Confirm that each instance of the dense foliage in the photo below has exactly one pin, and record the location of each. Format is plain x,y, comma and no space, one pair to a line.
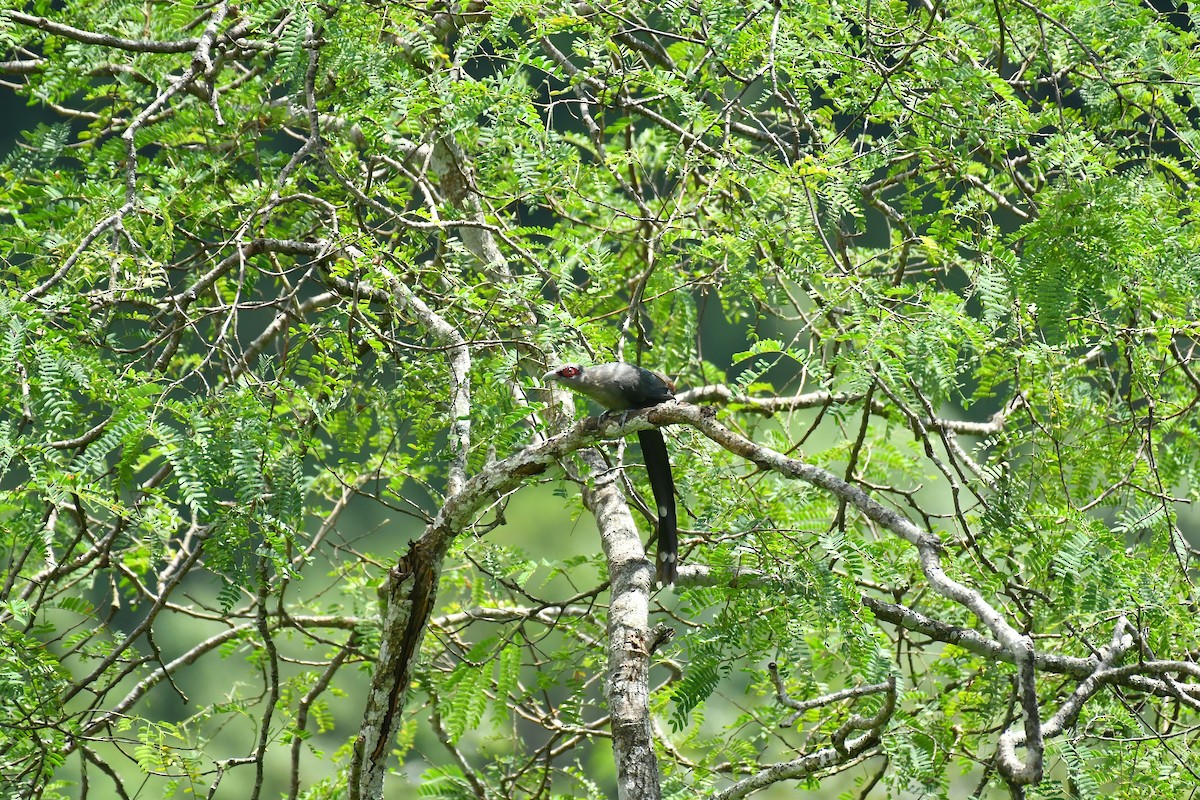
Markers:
280,270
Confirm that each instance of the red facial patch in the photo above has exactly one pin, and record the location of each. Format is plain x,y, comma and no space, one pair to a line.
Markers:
568,372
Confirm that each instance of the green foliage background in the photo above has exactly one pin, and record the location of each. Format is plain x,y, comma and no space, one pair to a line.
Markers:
930,211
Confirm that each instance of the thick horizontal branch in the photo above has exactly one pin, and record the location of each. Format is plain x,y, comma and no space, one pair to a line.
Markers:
27,67
1133,676
1137,677
102,39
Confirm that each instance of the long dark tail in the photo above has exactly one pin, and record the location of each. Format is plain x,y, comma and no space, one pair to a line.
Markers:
658,467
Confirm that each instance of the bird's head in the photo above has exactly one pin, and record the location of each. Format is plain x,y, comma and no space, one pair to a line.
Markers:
566,374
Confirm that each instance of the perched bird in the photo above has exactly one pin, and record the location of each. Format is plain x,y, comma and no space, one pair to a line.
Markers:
624,387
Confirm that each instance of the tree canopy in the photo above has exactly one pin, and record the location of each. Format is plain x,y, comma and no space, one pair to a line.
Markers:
286,509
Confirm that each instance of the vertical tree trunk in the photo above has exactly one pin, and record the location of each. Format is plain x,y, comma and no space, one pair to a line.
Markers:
408,595
628,680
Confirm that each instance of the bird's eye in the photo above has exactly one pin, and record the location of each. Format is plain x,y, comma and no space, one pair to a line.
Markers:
568,372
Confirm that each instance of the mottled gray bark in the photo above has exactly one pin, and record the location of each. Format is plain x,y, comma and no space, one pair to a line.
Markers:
627,684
